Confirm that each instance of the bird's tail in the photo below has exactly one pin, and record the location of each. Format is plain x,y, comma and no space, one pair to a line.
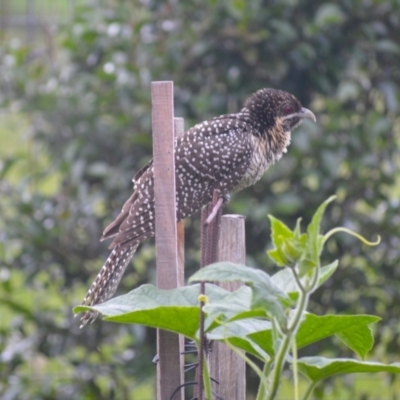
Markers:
107,280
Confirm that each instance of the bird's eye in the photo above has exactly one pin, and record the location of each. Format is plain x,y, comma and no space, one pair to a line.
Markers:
287,109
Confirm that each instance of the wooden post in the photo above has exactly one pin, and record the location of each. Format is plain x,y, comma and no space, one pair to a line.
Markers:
226,366
169,368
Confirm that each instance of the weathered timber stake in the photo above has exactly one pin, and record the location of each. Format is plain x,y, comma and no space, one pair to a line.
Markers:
225,365
169,368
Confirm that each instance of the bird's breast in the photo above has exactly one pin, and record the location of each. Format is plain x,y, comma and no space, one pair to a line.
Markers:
258,164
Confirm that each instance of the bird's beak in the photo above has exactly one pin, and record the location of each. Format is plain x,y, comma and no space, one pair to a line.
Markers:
306,113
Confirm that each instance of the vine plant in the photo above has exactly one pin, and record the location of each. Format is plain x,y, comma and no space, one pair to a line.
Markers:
267,317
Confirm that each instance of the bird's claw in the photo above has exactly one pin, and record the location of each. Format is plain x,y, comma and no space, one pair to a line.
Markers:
223,199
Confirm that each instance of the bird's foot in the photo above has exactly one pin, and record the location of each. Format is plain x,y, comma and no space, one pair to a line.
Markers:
223,199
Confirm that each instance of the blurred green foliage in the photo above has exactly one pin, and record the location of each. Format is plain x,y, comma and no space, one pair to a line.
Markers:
75,126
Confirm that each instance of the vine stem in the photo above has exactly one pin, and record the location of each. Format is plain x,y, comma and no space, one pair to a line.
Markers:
285,345
309,390
295,370
207,382
349,232
290,332
262,388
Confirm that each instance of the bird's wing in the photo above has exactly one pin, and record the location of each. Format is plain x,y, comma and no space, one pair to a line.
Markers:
212,155
142,171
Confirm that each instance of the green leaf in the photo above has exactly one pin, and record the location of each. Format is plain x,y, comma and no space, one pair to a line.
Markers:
319,368
285,280
359,338
352,329
236,302
280,233
297,229
176,310
315,241
289,245
313,227
326,272
237,333
266,294
264,340
292,246
277,256
314,328
236,305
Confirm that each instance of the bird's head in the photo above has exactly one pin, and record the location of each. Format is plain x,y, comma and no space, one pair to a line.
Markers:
276,109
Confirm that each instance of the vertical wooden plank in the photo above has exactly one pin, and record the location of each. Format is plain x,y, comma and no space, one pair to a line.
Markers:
226,366
164,183
169,369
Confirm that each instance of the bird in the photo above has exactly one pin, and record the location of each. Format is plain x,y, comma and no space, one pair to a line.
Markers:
226,153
